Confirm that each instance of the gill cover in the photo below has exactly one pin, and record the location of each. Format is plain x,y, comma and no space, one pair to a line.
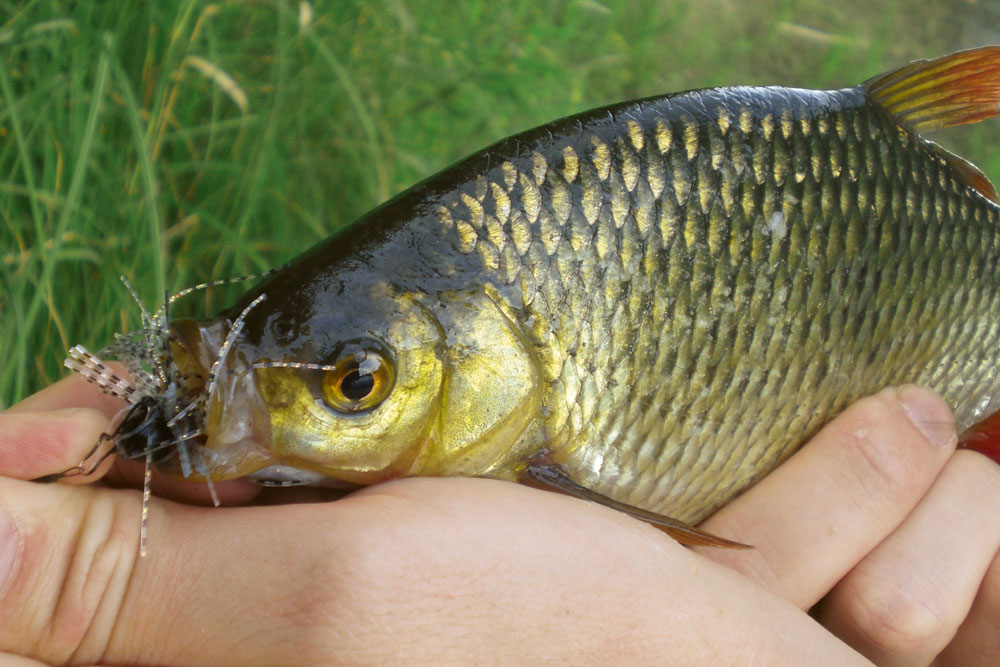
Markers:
491,390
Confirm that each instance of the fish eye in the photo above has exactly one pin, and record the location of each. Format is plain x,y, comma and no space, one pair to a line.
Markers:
360,380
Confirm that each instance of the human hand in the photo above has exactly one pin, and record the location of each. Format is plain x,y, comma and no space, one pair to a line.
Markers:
894,530
435,570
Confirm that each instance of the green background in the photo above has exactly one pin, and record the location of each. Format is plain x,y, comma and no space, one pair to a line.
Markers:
175,142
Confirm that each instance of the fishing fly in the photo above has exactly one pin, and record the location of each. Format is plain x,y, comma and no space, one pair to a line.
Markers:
164,417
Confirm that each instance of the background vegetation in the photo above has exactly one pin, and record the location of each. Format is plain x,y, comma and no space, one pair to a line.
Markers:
179,141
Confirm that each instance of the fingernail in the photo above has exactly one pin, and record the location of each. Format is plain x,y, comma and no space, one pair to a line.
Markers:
929,414
8,545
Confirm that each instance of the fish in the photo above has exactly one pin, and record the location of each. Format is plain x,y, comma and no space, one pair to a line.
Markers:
650,305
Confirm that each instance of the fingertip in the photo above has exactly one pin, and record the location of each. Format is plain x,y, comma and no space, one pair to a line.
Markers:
929,414
36,444
881,442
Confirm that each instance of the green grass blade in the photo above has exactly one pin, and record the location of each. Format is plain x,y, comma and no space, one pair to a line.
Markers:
148,175
27,327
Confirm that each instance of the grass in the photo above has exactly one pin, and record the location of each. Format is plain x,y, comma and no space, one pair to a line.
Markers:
175,142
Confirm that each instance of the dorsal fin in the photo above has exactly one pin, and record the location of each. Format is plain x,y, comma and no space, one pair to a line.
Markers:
956,89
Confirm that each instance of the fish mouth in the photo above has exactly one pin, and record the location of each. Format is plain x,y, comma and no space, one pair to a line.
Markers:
236,428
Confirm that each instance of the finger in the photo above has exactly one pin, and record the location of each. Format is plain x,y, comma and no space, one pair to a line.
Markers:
71,392
433,570
822,511
978,639
903,603
36,444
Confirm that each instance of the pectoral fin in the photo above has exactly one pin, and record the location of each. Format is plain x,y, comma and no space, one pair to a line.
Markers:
552,476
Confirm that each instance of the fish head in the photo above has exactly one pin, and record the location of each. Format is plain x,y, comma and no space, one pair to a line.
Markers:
361,384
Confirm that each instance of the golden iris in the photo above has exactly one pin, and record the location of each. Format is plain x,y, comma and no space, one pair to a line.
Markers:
359,381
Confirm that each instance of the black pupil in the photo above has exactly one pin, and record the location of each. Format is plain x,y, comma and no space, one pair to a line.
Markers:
356,386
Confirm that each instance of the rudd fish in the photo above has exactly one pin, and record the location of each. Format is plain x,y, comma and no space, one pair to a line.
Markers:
650,305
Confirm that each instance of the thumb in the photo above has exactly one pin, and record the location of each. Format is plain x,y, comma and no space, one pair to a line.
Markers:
66,558
74,589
